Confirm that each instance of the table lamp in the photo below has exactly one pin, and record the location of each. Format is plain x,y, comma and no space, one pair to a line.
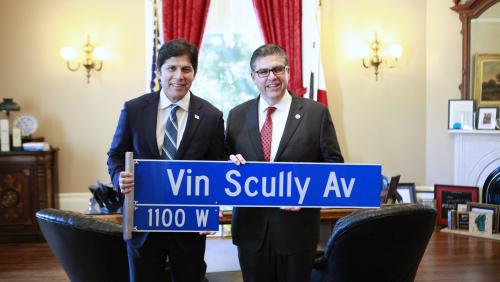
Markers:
8,105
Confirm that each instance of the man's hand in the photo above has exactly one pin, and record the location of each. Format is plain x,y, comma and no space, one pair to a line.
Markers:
207,232
211,232
294,209
237,159
126,182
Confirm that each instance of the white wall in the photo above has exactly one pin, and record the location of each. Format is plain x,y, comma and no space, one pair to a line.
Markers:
378,121
77,117
443,68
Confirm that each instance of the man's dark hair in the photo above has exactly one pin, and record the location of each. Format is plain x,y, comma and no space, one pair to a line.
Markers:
176,48
267,50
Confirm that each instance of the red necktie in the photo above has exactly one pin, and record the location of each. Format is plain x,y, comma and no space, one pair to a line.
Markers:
266,134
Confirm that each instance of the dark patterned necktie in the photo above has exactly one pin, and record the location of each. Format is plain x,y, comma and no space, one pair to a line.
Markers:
169,147
266,134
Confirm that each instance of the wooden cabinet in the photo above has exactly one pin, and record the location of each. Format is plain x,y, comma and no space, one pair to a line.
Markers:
28,183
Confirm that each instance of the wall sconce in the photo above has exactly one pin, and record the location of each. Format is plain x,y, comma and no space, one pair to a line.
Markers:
92,61
376,59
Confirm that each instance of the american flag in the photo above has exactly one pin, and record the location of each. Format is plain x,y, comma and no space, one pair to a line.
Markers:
155,82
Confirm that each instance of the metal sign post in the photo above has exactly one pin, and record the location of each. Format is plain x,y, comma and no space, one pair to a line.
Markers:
128,204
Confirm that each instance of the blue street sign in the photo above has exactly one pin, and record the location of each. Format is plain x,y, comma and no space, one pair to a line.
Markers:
185,195
257,184
175,218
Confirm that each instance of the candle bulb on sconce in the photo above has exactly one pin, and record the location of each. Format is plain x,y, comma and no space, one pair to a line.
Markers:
93,59
395,51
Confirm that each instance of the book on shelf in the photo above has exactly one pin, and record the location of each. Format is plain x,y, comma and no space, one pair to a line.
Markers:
4,135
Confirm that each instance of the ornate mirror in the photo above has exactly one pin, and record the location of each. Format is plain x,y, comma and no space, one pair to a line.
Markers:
480,46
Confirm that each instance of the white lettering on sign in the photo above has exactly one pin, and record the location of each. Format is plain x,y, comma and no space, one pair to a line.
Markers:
282,185
267,185
202,217
167,217
163,216
176,182
333,185
236,184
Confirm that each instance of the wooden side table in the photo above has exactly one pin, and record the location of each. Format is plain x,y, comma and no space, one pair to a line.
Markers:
28,183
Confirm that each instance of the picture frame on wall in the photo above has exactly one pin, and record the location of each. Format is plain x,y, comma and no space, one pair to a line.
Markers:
487,80
487,118
447,198
407,192
487,208
461,114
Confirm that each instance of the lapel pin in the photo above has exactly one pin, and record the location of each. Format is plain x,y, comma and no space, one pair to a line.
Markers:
297,116
196,116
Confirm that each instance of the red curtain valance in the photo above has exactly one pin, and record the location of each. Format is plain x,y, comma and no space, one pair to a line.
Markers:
185,19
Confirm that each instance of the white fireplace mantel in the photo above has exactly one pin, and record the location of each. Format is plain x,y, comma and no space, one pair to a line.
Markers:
477,154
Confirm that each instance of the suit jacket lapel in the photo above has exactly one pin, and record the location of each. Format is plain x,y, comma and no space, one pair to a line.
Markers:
193,120
150,115
293,120
252,120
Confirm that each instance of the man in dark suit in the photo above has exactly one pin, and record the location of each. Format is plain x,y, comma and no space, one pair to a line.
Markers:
278,244
169,124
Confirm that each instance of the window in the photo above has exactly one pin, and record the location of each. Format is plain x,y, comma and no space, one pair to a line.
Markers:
231,35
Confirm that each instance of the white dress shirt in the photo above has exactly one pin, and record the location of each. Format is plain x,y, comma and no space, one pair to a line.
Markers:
164,113
278,117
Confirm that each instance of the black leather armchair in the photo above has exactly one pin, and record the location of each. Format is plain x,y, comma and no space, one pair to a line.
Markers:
384,244
89,249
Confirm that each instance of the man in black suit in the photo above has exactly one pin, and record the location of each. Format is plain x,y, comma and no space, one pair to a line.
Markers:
145,128
278,244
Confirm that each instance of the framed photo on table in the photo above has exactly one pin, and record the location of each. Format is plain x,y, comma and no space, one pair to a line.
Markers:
463,220
390,196
487,80
461,114
487,118
426,198
480,222
487,208
407,192
449,196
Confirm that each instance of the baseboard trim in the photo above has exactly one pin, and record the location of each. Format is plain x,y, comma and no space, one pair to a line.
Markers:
74,201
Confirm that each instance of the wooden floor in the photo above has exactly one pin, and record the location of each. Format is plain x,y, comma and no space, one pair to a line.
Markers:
451,257
448,257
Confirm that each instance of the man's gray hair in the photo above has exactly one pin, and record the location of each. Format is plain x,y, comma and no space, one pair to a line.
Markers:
267,50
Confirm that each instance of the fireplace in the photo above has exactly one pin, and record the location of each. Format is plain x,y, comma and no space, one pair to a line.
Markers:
477,154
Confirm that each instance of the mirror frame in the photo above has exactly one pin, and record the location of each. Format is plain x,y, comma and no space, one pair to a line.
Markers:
471,9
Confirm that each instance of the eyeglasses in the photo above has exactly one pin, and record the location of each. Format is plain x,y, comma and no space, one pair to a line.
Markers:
278,70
